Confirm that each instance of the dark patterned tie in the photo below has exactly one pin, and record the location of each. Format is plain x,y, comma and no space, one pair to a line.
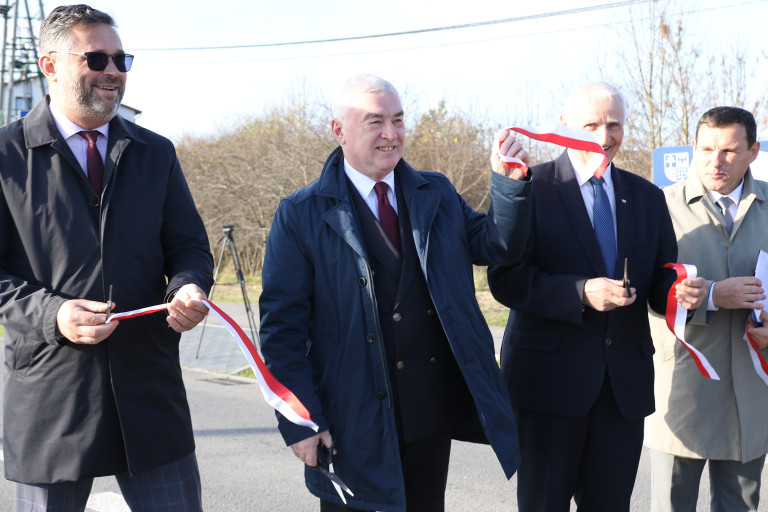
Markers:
387,215
94,162
602,217
725,203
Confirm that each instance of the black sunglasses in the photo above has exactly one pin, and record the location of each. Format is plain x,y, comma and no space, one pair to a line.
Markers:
97,61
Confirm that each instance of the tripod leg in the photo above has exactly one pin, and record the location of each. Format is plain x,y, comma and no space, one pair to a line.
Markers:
210,297
248,310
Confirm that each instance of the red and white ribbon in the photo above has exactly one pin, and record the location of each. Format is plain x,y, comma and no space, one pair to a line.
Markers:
761,367
677,316
580,140
276,395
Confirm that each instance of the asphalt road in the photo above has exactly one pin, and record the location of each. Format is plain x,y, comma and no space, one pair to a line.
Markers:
245,465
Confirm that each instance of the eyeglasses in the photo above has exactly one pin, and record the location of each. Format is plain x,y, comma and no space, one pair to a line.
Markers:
97,61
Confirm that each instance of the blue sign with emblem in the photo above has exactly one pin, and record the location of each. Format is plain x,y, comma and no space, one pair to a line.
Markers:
671,164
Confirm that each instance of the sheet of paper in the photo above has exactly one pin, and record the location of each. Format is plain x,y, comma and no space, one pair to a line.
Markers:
761,272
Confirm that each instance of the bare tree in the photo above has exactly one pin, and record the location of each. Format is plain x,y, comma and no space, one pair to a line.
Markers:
671,81
452,144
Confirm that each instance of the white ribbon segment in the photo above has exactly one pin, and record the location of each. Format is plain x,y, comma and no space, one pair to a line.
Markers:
761,367
677,317
566,136
275,394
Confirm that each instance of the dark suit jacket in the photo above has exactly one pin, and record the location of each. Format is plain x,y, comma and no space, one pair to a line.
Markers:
556,351
428,389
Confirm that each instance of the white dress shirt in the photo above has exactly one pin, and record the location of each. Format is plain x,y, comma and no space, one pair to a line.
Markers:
78,144
365,185
735,197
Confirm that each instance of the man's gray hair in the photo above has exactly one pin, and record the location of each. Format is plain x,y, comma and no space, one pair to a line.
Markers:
363,83
55,32
594,90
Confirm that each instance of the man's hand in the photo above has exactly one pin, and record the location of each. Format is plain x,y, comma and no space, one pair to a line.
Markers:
306,449
759,334
605,294
186,309
82,321
738,293
691,293
511,148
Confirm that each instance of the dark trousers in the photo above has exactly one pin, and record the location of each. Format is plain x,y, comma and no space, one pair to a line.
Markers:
425,470
174,487
593,459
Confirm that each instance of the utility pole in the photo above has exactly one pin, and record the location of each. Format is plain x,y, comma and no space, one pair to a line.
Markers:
19,59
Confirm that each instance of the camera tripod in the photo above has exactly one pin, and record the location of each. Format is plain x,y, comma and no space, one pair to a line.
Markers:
229,245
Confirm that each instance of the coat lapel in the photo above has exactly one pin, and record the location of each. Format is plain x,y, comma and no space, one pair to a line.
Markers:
625,219
750,193
573,202
422,205
340,217
40,129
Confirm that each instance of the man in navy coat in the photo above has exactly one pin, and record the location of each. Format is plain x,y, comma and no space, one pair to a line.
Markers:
577,350
369,313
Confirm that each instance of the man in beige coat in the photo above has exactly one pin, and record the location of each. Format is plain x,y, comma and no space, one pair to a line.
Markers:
698,420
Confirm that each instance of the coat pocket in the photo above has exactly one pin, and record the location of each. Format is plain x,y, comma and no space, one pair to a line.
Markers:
24,353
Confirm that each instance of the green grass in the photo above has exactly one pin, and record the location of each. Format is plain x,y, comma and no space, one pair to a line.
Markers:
228,289
248,372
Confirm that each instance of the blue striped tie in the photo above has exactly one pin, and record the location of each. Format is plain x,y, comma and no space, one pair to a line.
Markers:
602,219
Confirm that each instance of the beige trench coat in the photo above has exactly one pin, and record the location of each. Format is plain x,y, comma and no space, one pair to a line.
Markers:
697,417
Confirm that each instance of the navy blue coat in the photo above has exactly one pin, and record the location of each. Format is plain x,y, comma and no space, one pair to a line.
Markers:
320,329
74,411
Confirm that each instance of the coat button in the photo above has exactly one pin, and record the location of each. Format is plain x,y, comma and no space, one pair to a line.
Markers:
608,342
381,396
370,338
400,365
433,360
430,312
397,317
93,201
362,281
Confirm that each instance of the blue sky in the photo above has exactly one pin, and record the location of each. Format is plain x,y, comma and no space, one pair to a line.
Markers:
510,73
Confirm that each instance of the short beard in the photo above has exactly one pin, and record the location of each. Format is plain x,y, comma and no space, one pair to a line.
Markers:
83,101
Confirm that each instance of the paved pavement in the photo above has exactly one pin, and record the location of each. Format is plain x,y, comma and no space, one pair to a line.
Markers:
473,483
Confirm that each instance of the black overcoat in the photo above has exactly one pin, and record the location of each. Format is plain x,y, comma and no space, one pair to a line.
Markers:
74,411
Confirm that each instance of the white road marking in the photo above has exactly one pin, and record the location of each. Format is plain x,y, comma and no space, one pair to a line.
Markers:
107,502
2,455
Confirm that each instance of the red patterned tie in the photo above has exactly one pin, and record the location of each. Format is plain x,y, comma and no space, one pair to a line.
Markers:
387,215
94,161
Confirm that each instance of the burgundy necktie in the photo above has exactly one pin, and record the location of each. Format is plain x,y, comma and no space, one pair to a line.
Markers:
387,215
94,161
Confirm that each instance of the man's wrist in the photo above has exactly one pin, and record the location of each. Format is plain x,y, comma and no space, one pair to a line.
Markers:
711,299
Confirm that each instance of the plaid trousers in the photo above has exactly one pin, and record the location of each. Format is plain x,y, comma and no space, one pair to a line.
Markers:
174,487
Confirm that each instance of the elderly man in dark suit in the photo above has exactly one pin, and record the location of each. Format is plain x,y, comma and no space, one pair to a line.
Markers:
577,350
89,200
369,313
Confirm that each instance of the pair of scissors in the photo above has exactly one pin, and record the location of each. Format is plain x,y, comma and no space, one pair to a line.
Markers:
627,292
338,484
109,304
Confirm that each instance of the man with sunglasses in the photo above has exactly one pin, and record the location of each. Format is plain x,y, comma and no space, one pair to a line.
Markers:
91,203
